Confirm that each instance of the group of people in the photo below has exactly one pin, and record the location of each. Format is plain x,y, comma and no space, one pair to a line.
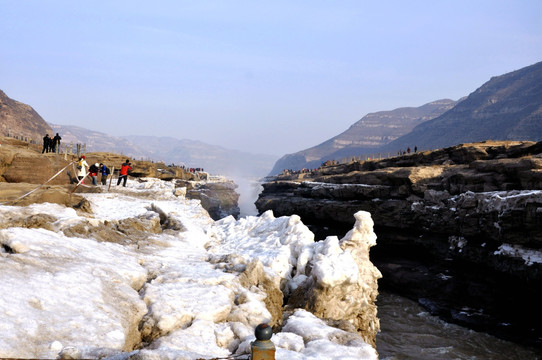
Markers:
403,152
100,168
51,144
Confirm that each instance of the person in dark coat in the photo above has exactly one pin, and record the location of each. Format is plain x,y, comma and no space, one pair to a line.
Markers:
56,143
46,144
105,173
93,172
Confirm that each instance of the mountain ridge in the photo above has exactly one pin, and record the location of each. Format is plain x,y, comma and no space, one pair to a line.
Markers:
370,132
506,107
190,153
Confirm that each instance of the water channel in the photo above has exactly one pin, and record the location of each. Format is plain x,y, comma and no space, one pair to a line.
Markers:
409,332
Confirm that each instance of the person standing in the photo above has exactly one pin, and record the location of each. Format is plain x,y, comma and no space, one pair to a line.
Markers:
46,144
123,174
82,169
56,143
93,172
104,170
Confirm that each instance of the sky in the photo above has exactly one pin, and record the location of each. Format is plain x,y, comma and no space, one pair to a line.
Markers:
268,77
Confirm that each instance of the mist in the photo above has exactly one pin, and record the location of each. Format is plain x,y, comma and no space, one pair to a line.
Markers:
248,190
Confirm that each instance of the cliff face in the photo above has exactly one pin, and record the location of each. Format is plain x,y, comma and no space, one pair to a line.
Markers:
459,229
218,198
21,120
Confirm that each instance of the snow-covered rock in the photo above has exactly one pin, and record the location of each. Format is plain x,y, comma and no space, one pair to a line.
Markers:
149,274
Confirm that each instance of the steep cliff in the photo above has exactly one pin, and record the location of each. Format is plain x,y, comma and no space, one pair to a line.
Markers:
459,229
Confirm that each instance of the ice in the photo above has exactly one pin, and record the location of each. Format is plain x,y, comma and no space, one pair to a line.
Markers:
171,294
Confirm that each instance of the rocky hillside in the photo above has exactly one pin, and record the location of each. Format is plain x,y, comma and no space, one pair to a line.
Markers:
371,131
459,229
21,120
507,107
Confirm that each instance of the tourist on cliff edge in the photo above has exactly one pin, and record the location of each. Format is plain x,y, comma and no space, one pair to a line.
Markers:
46,144
56,143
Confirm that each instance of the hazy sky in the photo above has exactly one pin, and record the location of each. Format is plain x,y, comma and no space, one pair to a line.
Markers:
270,77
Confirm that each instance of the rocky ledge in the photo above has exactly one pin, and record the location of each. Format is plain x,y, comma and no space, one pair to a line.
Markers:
217,196
459,229
23,163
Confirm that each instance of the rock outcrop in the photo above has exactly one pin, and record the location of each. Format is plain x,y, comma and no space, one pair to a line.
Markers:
459,229
218,198
349,302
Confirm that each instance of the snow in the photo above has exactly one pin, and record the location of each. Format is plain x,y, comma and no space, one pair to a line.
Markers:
530,256
333,266
88,295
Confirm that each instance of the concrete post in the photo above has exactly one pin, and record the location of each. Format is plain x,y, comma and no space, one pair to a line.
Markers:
263,348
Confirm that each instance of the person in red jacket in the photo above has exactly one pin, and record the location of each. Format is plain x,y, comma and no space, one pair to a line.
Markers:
123,174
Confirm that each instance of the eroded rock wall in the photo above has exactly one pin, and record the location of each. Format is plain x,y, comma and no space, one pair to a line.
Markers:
219,198
459,229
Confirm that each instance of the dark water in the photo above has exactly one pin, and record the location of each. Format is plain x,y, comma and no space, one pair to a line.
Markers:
410,332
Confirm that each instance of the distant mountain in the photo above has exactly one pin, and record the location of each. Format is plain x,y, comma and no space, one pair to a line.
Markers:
190,153
96,141
212,158
21,120
507,107
371,131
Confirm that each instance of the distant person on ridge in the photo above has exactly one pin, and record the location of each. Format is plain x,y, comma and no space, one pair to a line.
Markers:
123,174
46,144
56,143
93,172
82,169
105,173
